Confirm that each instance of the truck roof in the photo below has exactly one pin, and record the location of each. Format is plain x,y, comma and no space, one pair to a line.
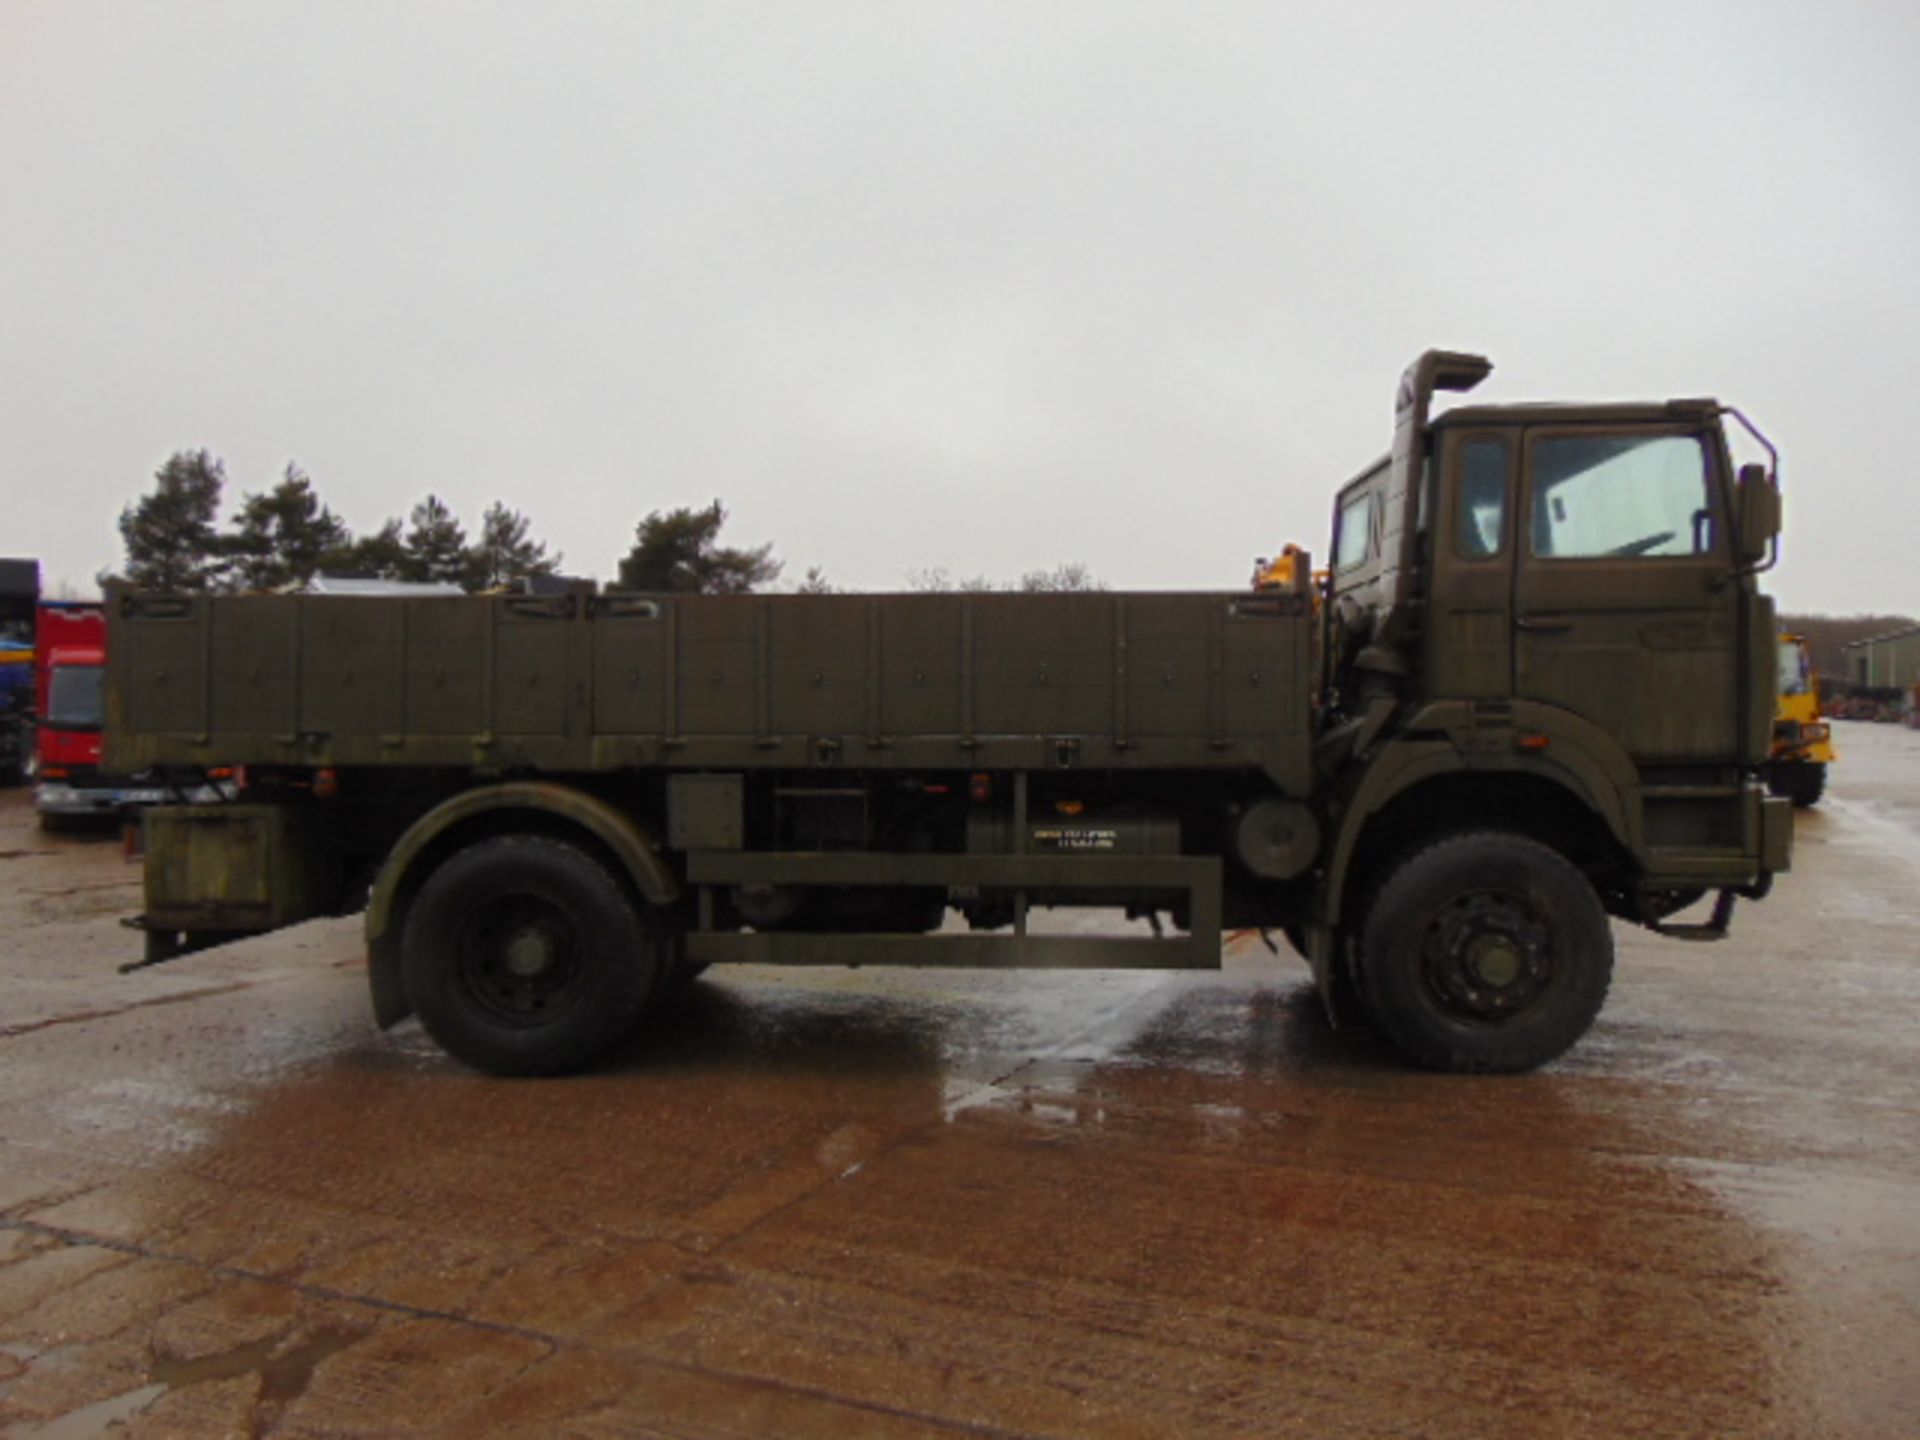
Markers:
19,579
1573,412
1553,412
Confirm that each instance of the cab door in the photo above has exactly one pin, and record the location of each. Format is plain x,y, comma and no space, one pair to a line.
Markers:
1470,545
1625,610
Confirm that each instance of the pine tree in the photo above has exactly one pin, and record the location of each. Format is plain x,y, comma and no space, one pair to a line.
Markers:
680,551
169,536
436,544
283,536
504,552
379,556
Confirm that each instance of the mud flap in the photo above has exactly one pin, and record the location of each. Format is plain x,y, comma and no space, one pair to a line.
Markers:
390,1003
1338,994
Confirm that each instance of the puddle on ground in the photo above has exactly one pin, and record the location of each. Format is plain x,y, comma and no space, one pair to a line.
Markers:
96,1419
283,1377
26,1355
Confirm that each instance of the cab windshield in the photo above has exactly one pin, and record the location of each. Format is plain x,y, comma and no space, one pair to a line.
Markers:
74,697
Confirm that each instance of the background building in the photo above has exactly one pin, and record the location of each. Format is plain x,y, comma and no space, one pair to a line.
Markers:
1885,661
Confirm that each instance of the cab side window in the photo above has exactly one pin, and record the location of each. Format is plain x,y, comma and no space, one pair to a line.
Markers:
1355,541
1480,527
1620,496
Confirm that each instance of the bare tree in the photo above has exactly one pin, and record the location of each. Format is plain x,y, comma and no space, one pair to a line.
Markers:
939,579
1072,576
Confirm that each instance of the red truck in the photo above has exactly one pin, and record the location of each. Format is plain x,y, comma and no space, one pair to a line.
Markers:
70,659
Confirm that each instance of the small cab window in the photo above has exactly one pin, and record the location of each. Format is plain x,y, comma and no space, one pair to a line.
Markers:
1620,496
1481,527
1795,674
74,699
1354,532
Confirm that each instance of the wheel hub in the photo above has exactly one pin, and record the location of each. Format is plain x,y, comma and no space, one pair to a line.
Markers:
1495,960
530,952
1487,956
518,959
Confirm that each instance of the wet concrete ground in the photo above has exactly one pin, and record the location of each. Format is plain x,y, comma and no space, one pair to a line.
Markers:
902,1204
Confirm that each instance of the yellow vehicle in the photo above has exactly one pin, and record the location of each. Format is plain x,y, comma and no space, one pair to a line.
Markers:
1802,742
1278,573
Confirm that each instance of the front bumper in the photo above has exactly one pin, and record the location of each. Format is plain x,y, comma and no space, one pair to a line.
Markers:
1809,741
58,797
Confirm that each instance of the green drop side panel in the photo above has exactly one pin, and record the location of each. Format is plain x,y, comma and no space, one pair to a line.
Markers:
583,683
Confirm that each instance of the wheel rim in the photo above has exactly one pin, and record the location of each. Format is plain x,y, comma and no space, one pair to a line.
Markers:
1487,957
518,959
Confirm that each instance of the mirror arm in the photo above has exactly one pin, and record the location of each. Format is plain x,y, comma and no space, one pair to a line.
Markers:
1773,455
1759,567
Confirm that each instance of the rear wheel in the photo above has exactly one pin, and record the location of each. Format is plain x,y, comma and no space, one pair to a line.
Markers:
524,955
1485,952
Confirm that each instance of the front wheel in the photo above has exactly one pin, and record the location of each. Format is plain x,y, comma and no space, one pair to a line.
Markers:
1485,952
1801,781
524,955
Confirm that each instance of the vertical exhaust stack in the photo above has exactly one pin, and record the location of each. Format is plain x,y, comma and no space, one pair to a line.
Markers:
1435,370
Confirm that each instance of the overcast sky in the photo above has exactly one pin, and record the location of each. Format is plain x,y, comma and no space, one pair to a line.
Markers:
987,287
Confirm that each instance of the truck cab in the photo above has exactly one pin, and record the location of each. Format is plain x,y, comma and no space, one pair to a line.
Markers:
70,672
1559,601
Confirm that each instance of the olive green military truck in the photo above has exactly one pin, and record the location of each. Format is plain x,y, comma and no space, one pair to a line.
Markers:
1532,692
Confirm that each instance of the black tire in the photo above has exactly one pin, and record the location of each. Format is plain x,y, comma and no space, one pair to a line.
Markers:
686,972
1801,781
1485,952
524,955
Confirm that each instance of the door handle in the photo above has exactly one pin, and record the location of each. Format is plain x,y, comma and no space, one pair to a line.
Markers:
1543,622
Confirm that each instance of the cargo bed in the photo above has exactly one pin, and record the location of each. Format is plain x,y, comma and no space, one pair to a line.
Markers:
584,683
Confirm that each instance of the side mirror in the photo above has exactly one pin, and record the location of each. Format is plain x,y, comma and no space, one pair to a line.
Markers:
1759,502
